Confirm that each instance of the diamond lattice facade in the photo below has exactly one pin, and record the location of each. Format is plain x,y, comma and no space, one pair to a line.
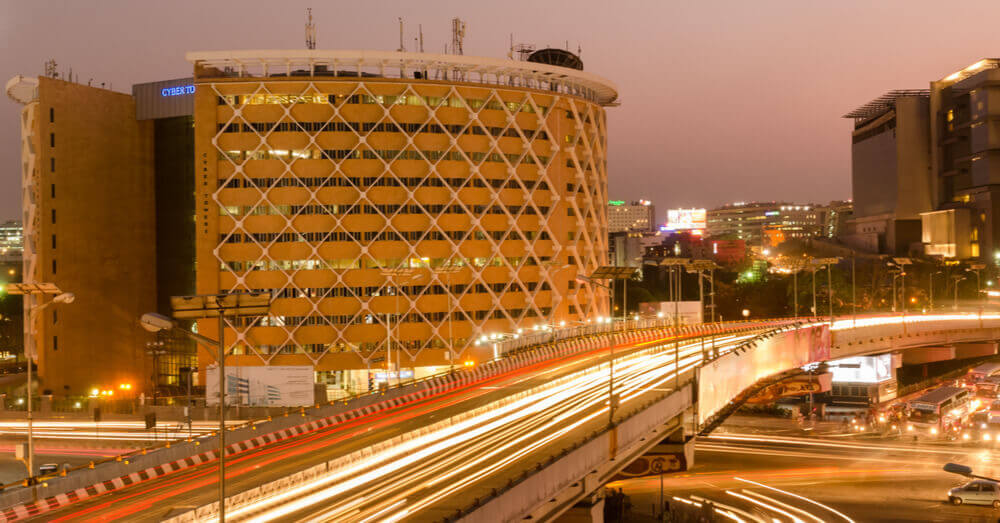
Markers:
426,199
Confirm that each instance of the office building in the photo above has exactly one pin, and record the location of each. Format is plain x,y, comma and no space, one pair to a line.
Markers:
410,199
965,162
835,217
891,179
11,241
764,224
92,161
637,216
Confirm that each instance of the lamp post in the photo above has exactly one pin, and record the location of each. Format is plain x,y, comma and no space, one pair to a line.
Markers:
206,306
930,288
975,268
612,273
957,278
903,262
394,275
449,270
817,264
35,291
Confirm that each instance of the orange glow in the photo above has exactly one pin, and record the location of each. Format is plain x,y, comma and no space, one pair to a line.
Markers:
913,300
469,363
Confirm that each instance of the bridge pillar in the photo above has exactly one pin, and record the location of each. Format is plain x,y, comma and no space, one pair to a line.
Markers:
587,510
675,453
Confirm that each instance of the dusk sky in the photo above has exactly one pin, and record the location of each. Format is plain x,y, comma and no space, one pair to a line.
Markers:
720,101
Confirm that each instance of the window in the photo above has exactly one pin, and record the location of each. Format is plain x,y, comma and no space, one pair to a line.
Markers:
52,115
53,266
53,216
53,187
53,241
55,316
52,139
55,343
52,165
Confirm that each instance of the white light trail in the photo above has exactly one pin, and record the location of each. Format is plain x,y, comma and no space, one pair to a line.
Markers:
803,498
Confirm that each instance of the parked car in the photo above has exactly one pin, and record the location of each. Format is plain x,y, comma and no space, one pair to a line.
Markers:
978,492
48,468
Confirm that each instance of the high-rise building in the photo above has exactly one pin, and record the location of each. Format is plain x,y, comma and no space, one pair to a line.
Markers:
965,162
890,172
424,199
926,168
92,163
637,216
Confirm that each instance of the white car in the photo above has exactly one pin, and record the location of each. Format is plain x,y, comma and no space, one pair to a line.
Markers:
978,492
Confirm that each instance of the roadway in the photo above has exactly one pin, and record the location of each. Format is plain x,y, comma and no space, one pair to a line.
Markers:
462,443
767,478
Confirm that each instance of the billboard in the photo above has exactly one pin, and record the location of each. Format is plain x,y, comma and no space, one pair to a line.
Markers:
262,386
862,369
686,219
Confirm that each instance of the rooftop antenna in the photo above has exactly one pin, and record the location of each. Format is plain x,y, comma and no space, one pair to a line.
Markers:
402,48
310,30
457,35
420,29
510,50
50,68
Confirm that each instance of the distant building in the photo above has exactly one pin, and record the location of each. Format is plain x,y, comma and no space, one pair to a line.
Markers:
728,252
625,249
890,172
108,202
11,241
753,222
634,216
835,217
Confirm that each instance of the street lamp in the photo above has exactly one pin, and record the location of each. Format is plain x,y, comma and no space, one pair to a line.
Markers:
205,306
35,291
612,273
818,263
449,270
902,263
957,278
394,275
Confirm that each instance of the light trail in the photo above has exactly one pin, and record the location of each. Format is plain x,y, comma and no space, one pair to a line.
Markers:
784,505
457,456
767,506
794,495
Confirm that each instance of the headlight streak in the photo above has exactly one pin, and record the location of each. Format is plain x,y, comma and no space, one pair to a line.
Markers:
781,504
512,431
730,508
767,506
803,498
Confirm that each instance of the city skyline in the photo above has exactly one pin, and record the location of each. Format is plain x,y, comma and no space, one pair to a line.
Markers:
718,83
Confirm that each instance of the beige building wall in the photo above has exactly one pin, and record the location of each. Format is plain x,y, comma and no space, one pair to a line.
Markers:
311,187
91,212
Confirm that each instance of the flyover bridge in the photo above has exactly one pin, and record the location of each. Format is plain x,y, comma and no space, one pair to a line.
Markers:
526,436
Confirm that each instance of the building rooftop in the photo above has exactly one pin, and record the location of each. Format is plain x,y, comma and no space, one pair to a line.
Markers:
976,68
394,64
883,103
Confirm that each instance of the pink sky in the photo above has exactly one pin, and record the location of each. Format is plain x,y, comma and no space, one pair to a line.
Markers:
721,101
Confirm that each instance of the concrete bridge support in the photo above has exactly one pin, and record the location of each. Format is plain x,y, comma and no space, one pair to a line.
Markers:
587,510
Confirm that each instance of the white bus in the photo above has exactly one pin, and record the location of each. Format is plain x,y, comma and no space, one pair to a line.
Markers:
982,372
940,412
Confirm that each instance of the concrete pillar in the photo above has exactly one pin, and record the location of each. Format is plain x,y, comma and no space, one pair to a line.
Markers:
675,453
590,510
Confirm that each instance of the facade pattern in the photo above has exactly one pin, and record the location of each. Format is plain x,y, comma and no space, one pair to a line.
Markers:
432,211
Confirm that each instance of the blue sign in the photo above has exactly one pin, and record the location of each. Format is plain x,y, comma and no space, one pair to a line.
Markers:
180,90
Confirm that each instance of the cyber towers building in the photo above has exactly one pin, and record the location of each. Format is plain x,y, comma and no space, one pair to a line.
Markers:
424,199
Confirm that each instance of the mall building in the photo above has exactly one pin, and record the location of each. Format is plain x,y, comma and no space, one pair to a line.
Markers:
403,201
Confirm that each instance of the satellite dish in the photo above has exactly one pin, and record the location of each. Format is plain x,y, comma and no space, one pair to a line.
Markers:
557,57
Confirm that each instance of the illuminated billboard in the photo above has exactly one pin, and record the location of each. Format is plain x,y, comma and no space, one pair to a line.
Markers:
686,219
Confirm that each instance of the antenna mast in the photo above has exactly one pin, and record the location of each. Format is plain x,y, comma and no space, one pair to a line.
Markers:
310,30
402,48
420,29
457,35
